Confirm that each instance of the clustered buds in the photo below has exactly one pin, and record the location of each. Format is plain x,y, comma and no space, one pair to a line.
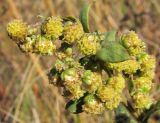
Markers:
94,85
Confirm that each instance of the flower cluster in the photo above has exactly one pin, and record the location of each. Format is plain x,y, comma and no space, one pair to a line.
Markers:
93,84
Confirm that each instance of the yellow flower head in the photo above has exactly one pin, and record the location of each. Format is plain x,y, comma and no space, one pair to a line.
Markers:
117,82
88,44
92,80
142,84
92,105
128,66
17,29
27,45
111,104
142,101
44,46
73,31
75,90
106,93
148,64
132,42
52,27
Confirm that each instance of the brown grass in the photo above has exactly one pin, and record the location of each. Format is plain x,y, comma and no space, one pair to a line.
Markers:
25,94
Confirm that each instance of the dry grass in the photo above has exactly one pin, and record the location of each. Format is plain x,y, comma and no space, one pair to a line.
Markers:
25,95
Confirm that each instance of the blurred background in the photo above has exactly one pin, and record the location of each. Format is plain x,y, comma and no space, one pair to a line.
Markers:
25,94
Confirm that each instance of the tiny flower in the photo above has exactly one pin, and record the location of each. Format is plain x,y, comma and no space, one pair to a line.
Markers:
52,27
88,44
17,29
73,31
44,46
111,104
92,105
142,101
59,65
128,66
132,42
106,93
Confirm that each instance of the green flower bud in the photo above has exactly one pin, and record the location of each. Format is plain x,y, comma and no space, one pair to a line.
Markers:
69,51
111,104
44,46
117,82
129,66
52,27
71,62
92,105
106,93
87,77
17,29
88,44
73,31
142,101
69,74
132,42
92,81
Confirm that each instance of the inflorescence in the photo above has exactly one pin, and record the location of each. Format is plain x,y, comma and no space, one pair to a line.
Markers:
93,84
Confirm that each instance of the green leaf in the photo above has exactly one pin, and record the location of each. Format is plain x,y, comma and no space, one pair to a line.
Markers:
110,36
74,106
69,18
112,52
84,17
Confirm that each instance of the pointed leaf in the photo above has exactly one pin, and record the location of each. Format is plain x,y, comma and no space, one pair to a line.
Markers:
74,106
110,36
84,17
113,52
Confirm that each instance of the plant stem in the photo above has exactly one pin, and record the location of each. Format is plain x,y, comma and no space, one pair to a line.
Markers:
149,112
122,109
